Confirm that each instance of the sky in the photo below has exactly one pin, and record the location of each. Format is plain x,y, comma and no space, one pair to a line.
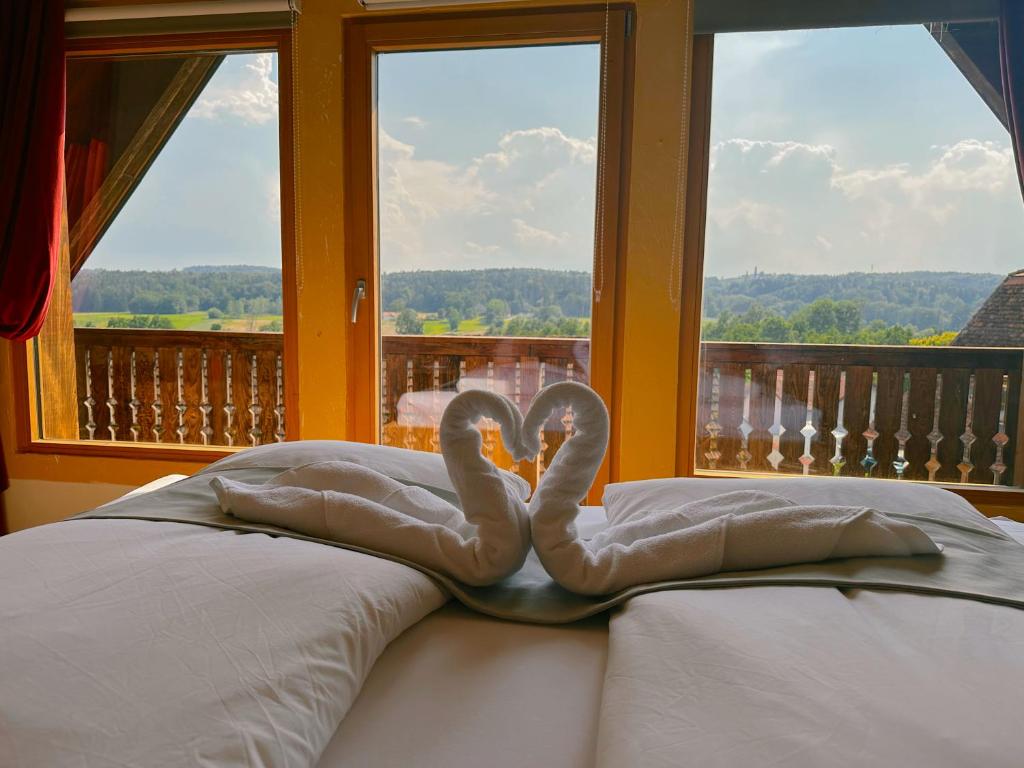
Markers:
212,196
832,151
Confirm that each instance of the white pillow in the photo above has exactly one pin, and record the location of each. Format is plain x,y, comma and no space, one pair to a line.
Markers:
399,463
625,501
1012,527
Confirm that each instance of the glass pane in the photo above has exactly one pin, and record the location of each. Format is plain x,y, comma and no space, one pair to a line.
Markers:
863,216
174,222
487,162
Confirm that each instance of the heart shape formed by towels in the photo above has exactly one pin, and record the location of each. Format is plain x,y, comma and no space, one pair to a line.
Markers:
742,530
489,538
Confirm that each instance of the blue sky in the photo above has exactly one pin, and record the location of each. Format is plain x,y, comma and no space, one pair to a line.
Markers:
833,151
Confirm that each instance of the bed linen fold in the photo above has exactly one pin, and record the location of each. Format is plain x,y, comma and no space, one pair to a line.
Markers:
811,678
133,643
979,562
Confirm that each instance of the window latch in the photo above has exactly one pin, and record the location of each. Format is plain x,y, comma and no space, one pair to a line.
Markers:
357,296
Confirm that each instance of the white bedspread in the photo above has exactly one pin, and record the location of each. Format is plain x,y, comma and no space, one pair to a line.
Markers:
805,676
133,643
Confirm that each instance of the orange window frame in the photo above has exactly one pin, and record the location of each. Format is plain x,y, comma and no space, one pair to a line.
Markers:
26,394
1002,500
364,38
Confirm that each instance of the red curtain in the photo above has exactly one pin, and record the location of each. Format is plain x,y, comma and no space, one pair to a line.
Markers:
1011,65
31,166
31,156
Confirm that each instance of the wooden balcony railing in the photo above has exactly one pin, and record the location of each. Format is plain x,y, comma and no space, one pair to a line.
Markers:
944,414
924,413
180,386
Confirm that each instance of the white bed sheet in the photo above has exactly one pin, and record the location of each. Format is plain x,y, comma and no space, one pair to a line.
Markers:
805,676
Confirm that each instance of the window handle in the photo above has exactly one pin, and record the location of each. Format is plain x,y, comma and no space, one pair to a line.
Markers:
357,296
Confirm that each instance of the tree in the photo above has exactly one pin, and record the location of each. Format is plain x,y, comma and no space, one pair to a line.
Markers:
214,313
495,311
408,323
454,319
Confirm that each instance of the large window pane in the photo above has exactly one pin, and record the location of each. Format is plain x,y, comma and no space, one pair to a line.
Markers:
863,216
174,234
486,178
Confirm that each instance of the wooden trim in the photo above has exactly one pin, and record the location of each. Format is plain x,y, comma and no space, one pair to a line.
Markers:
989,495
24,394
175,44
361,258
56,347
364,37
620,246
121,450
991,93
698,165
289,267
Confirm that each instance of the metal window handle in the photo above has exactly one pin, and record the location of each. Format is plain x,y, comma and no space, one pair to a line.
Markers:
358,295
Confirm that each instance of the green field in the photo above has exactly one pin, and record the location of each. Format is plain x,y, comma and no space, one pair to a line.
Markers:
191,321
474,326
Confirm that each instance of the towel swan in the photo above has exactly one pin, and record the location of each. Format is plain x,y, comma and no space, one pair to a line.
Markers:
341,501
732,531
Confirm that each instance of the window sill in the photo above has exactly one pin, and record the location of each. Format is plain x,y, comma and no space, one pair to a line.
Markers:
122,450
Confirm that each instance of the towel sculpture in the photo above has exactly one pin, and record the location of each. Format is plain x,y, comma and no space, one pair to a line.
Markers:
338,500
742,530
490,537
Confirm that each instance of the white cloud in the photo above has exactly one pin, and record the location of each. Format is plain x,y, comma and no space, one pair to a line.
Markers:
528,235
793,207
249,95
529,202
415,121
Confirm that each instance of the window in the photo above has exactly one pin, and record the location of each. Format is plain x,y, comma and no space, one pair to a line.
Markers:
490,246
172,331
861,258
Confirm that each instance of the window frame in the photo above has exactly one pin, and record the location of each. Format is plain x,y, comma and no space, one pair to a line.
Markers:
26,393
364,38
698,164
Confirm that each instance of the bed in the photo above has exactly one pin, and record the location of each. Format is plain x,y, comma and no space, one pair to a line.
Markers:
373,665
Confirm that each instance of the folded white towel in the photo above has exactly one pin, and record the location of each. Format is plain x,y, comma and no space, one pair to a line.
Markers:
733,531
345,502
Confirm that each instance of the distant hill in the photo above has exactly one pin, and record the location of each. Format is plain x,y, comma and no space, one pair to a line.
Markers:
942,301
236,290
524,291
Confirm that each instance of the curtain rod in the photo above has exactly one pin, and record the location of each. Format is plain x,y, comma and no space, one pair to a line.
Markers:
177,10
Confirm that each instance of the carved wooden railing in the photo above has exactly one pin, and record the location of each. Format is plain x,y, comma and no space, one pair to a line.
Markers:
924,413
944,414
180,386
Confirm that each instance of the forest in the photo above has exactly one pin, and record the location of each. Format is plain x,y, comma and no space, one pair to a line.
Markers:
854,308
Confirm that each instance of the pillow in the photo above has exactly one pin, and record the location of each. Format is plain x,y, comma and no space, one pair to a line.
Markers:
417,467
626,501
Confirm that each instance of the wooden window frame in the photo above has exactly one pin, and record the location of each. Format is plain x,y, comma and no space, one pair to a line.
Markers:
364,38
26,395
698,166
